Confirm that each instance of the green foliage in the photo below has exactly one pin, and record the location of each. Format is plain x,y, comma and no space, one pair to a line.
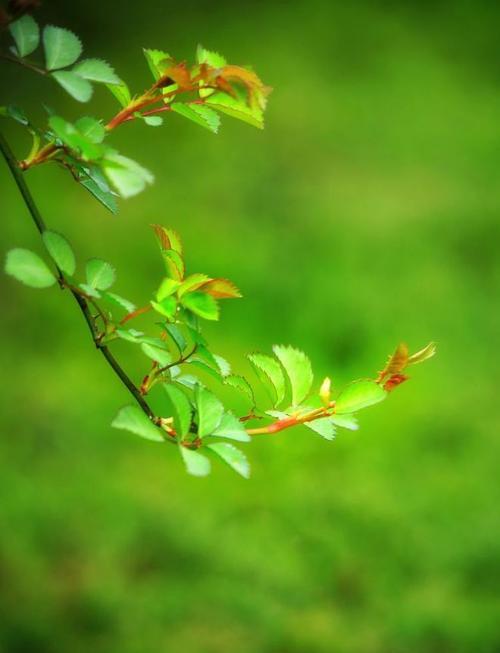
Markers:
232,456
60,251
100,274
196,463
26,34
26,266
298,370
358,395
131,418
97,70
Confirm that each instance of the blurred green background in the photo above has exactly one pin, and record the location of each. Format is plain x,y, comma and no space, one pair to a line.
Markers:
366,213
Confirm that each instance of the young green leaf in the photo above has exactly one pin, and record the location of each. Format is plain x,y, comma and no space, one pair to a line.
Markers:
131,418
298,368
121,92
158,61
211,58
167,307
91,129
201,115
423,355
242,385
127,176
76,86
120,301
167,239
26,34
167,287
153,121
233,457
346,421
209,411
97,70
60,251
100,274
196,463
236,108
358,395
180,408
176,334
62,47
202,305
270,375
192,282
157,352
231,428
27,267
323,426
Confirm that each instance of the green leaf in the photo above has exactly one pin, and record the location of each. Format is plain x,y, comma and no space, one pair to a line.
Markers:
213,59
209,411
27,267
121,92
62,47
127,176
76,86
233,457
270,375
231,428
214,373
131,418
176,334
167,307
242,385
201,304
100,274
91,129
180,408
199,114
196,463
153,121
358,395
323,426
60,251
223,365
118,300
97,70
158,61
131,335
167,287
90,291
424,354
26,35
298,368
106,198
345,421
17,114
157,352
236,108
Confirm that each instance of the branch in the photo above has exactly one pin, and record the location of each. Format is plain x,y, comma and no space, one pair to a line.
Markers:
24,63
81,301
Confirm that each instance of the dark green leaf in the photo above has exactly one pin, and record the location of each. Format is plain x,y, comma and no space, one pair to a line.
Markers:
62,47
60,251
131,418
26,266
26,34
176,334
180,408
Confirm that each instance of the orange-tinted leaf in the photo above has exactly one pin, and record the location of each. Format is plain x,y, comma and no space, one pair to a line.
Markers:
423,354
193,282
396,363
180,74
394,381
167,238
174,264
220,289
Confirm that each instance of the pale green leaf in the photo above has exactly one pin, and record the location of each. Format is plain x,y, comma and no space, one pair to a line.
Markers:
153,121
60,251
270,375
180,408
121,92
157,352
127,176
132,418
100,274
231,428
213,59
62,47
158,61
223,365
298,369
345,421
198,113
209,411
201,304
323,427
97,70
120,301
358,395
91,129
28,267
236,108
242,385
233,457
26,34
196,463
76,86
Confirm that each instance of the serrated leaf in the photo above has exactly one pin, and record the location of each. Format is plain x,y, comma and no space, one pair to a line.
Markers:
131,418
157,352
97,70
236,108
180,408
240,384
176,334
28,267
231,428
423,355
158,61
90,291
60,251
26,35
167,307
270,375
192,282
298,369
323,427
345,421
167,287
220,289
209,410
106,198
223,365
202,305
198,113
76,86
167,239
206,368
62,47
358,395
196,463
235,458
100,274
121,92
127,176
120,301
91,129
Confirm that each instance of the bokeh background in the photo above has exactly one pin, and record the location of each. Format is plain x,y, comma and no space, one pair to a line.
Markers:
366,213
